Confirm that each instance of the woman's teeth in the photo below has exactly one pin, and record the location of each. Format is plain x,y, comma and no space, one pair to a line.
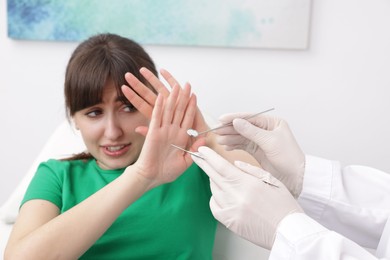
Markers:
114,148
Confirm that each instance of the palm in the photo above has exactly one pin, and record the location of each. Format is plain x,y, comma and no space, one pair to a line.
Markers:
164,161
159,161
172,116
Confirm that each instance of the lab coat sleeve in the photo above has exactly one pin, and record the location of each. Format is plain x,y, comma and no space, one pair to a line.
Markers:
353,201
299,237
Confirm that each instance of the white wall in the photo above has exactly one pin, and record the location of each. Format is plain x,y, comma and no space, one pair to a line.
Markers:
334,95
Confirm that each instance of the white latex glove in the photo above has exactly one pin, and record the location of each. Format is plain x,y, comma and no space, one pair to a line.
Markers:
270,140
241,200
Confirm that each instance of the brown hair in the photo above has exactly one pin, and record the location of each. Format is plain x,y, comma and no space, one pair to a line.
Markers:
96,60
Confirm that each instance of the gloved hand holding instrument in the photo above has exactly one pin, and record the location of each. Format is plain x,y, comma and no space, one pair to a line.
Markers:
247,199
270,141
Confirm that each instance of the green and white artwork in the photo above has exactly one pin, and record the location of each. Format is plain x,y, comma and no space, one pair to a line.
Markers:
216,23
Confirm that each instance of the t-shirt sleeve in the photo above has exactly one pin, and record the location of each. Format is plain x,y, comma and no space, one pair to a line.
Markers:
46,184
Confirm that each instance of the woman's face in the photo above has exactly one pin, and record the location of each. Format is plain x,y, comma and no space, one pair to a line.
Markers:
108,130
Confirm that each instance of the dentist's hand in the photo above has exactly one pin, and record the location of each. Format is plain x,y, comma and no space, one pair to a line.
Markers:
242,201
271,142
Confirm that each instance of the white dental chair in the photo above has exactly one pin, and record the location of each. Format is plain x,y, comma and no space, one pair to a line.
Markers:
64,142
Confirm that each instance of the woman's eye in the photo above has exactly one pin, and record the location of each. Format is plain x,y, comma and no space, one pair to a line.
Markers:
129,108
93,113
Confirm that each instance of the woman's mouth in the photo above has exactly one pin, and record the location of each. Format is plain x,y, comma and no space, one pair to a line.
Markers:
116,150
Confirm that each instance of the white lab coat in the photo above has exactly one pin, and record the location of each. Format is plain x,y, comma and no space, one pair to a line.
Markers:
347,215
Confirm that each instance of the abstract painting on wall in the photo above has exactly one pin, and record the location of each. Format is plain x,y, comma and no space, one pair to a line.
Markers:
218,23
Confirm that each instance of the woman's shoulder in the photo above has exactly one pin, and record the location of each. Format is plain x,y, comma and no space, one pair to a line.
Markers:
59,165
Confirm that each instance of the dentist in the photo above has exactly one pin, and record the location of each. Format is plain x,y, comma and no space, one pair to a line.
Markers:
296,205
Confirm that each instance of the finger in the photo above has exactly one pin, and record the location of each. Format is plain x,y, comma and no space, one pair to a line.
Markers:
190,113
230,140
169,78
142,130
157,114
154,81
218,186
227,130
201,119
208,169
249,130
139,103
263,121
257,172
228,118
143,91
200,141
182,103
218,163
169,108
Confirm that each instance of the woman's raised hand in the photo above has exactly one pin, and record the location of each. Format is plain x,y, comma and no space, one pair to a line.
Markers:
172,114
143,98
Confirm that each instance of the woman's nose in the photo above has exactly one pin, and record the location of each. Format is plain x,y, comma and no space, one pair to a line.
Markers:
113,129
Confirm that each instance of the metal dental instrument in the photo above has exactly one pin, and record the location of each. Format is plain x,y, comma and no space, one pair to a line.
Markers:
192,153
201,157
271,184
194,133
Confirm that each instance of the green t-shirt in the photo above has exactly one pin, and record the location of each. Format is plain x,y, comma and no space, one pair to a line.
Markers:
171,221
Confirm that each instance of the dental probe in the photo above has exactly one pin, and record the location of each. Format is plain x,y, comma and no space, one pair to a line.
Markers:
194,133
193,153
